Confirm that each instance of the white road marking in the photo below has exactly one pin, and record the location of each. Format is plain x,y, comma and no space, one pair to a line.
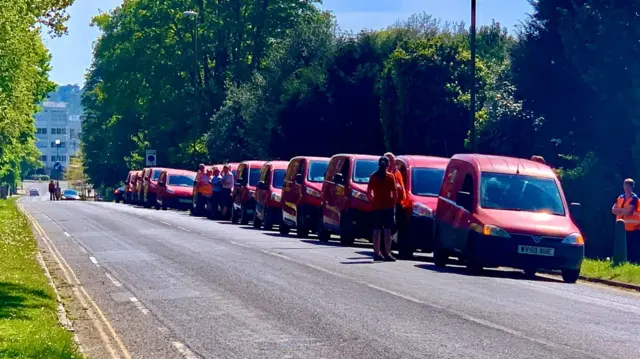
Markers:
396,294
139,305
240,244
94,261
149,218
83,250
67,234
167,223
188,354
113,280
276,255
184,229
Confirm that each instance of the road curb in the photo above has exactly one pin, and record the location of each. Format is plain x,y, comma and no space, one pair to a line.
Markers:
607,282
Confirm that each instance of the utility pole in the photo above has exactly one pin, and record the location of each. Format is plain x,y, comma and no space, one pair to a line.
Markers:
472,107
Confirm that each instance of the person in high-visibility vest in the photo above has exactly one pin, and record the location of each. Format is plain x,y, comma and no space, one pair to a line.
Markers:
627,208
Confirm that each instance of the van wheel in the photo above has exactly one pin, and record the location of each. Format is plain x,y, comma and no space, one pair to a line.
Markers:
244,217
284,229
323,234
405,249
257,223
268,220
473,264
570,275
346,237
234,215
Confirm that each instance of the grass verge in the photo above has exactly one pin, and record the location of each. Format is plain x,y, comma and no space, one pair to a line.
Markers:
626,273
29,325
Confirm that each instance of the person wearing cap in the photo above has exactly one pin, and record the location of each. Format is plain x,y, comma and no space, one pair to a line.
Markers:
383,193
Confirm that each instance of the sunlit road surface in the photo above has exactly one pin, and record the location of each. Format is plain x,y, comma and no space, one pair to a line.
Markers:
173,286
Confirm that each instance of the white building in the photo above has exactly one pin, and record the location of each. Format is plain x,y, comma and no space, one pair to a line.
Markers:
54,123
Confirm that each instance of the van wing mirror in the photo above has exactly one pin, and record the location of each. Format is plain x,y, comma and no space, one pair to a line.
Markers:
465,200
575,210
338,179
299,178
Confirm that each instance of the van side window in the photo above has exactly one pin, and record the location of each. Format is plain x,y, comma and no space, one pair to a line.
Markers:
291,171
345,169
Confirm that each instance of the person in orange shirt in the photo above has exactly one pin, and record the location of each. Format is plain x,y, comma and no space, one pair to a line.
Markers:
402,194
383,193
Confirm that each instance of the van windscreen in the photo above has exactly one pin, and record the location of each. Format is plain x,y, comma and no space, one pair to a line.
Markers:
155,175
520,193
254,176
278,178
317,170
426,182
363,169
181,180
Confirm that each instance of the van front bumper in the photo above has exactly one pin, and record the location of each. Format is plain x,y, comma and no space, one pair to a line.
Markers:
493,251
421,233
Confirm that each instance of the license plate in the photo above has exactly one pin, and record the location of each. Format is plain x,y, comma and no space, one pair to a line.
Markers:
536,251
184,200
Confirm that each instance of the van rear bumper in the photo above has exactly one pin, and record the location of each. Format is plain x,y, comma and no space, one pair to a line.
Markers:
503,252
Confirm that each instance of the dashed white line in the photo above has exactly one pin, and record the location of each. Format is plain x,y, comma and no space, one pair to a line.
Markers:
113,280
240,244
166,223
188,354
83,250
276,255
139,305
184,229
94,261
395,293
67,234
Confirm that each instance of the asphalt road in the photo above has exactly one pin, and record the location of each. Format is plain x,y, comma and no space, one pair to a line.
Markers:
210,289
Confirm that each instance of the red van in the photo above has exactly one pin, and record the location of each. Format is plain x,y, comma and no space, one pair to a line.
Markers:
301,201
129,184
175,189
150,186
244,202
501,211
422,177
269,195
346,209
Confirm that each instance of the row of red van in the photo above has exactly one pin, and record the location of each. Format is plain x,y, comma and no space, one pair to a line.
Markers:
487,211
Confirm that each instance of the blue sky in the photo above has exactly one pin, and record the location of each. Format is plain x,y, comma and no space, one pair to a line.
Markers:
72,53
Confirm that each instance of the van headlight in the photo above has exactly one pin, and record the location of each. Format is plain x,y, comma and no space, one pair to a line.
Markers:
359,195
312,192
275,197
420,210
574,239
489,230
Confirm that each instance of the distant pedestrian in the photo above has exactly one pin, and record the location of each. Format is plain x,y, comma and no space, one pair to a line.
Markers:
52,191
400,218
627,208
216,187
384,195
228,181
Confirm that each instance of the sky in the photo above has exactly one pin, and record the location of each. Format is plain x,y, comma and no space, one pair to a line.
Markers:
71,54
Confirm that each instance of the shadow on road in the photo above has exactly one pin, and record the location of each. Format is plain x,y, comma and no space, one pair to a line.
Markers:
490,273
335,244
15,299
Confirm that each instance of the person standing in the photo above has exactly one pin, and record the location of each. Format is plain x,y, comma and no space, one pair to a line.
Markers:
227,187
383,193
52,191
216,187
627,209
402,194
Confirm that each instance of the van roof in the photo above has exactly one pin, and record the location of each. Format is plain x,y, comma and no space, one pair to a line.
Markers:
311,158
253,163
357,156
175,171
278,165
507,165
424,161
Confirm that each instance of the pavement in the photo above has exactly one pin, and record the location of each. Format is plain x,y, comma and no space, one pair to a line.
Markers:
173,286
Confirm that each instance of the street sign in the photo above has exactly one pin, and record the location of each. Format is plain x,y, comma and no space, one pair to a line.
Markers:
57,166
151,157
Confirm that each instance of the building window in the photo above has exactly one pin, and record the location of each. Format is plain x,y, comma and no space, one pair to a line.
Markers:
53,131
53,158
64,158
41,131
72,133
41,144
64,131
43,158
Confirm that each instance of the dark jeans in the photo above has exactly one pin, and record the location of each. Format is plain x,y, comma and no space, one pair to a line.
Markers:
633,246
51,196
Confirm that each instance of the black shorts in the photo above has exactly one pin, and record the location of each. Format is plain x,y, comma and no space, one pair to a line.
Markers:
383,219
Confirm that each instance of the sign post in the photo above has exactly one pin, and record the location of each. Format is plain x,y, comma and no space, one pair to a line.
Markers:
151,158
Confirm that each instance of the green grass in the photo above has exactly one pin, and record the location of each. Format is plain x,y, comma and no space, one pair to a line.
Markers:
626,273
29,325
